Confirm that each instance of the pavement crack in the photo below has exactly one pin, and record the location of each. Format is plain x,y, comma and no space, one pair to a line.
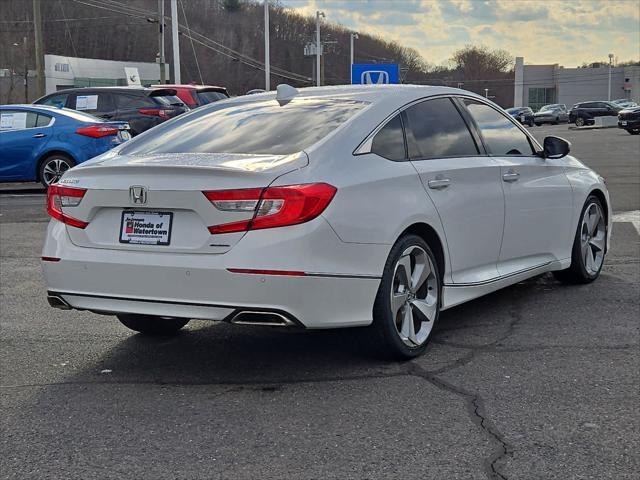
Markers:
477,414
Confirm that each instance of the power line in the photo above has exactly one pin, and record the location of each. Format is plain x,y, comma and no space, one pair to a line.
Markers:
73,47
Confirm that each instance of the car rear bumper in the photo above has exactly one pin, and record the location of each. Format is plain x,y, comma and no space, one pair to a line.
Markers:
201,286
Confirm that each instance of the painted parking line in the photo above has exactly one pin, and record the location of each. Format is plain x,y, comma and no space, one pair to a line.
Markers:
632,217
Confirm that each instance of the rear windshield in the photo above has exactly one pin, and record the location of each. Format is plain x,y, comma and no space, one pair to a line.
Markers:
210,97
264,127
167,99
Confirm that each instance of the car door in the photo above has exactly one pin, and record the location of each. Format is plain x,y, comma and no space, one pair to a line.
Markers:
538,223
462,182
22,138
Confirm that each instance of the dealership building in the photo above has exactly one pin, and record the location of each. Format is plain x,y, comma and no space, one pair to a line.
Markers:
67,72
538,85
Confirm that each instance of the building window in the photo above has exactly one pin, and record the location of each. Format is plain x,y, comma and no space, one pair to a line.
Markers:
61,67
538,97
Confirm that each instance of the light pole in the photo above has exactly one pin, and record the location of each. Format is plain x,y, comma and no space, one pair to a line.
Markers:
267,62
175,41
353,37
610,62
318,45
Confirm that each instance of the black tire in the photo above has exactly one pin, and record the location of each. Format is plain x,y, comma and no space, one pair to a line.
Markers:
152,325
52,167
577,273
538,124
634,132
384,332
531,123
580,122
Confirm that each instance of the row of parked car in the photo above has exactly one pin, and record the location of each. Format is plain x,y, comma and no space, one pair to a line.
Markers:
43,140
583,113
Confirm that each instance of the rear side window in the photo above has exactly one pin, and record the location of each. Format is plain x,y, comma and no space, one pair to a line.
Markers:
436,129
260,127
389,141
501,136
43,120
94,102
56,100
166,100
128,101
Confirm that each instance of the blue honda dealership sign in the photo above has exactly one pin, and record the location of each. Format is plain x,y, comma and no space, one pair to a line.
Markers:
374,73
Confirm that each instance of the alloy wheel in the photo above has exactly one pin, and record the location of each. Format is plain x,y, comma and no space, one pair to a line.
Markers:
592,238
414,296
53,169
579,122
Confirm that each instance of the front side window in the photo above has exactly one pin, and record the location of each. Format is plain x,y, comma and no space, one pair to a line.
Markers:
501,136
435,129
389,141
56,100
260,127
17,120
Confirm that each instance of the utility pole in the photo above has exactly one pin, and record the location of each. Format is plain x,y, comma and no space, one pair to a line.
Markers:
37,28
175,41
610,61
318,46
26,70
267,62
163,74
353,36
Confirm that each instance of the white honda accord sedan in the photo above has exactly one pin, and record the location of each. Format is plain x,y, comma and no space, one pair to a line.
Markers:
321,208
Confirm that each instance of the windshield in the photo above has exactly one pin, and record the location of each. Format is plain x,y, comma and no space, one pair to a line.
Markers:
167,99
513,110
210,97
264,127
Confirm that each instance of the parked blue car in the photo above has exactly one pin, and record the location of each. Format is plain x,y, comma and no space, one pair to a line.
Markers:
40,143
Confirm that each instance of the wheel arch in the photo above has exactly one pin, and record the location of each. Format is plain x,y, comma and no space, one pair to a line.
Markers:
49,153
429,235
599,194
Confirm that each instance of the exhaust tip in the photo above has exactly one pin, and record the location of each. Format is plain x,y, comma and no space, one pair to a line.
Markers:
57,301
271,319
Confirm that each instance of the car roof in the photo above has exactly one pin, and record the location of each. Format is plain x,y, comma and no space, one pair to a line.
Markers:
387,96
28,106
192,87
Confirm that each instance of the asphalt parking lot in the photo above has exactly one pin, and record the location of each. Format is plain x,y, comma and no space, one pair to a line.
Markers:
537,381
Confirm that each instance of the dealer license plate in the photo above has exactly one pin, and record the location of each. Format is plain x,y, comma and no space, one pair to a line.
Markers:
623,123
146,228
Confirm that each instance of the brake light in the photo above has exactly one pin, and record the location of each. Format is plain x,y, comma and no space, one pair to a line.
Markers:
58,197
97,131
155,112
272,207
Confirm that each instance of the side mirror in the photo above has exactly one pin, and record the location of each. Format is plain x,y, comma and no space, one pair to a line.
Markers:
555,147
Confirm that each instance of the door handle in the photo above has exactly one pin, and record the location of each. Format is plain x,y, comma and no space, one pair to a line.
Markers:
40,135
439,183
510,176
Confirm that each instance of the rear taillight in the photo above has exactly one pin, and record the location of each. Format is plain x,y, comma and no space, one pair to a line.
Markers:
272,207
97,131
59,197
155,112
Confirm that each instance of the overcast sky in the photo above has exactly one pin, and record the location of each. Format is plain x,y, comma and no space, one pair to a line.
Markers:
568,32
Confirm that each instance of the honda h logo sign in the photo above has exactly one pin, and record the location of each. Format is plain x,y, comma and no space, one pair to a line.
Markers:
374,76
374,73
138,195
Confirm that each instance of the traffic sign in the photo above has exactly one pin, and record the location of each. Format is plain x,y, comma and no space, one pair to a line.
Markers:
374,73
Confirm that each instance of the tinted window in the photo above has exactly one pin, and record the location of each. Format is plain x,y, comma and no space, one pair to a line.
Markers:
167,100
501,136
436,129
588,105
210,97
93,102
259,127
129,101
43,120
389,141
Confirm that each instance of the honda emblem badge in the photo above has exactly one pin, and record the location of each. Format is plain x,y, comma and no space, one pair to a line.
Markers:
138,195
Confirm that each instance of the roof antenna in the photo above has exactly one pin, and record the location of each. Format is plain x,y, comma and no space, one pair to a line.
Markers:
285,93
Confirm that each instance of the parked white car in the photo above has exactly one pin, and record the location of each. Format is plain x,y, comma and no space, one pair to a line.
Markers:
320,208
